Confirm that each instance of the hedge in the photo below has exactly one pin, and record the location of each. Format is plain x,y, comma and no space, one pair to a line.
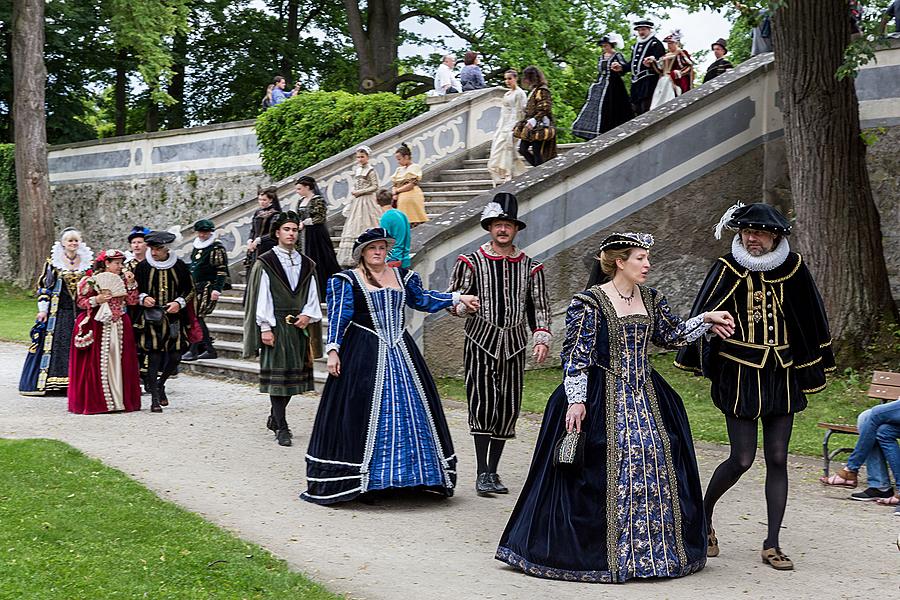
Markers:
312,126
9,202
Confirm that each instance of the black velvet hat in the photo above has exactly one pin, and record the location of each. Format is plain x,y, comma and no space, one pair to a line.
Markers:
204,225
376,234
287,216
759,216
504,207
618,241
643,23
159,238
720,42
138,231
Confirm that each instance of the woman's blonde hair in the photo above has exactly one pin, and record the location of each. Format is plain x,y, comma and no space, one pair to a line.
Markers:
608,259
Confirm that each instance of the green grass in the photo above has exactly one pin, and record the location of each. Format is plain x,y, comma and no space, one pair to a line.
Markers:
840,402
73,528
17,311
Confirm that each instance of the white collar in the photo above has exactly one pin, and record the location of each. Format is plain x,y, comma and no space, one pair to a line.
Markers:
362,171
766,262
200,244
284,254
166,264
641,40
59,260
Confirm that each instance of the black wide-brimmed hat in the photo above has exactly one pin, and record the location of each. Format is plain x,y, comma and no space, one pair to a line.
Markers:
720,42
138,231
288,216
376,234
619,241
204,225
504,207
759,216
159,238
643,23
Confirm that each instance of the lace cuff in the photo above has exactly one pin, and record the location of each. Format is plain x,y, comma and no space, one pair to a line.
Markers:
576,388
43,306
460,310
541,337
181,301
330,347
695,328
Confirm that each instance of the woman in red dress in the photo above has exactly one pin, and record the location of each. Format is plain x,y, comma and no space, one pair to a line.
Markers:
103,367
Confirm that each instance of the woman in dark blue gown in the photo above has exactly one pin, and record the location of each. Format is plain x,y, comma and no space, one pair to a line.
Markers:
634,509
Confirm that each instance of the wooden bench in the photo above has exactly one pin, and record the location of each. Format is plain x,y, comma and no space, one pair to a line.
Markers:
885,387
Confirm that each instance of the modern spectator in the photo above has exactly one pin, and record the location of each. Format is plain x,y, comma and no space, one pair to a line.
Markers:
267,99
278,93
397,225
471,76
761,40
892,11
445,82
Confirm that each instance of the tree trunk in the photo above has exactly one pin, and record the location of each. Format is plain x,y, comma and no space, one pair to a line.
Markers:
151,122
292,40
175,117
376,42
838,225
121,91
7,98
32,178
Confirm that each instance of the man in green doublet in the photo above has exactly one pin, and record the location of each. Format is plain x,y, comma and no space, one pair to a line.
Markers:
282,300
209,270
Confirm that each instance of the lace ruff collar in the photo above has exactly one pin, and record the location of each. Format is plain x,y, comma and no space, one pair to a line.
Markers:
766,262
200,244
59,260
165,264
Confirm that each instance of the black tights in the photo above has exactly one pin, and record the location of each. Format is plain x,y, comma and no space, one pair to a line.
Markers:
279,410
487,453
533,152
161,366
742,433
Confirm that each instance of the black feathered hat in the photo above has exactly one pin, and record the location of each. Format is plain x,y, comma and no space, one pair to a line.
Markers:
754,216
138,231
504,207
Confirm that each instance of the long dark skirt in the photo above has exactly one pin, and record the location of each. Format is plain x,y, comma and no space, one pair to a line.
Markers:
560,527
607,106
318,246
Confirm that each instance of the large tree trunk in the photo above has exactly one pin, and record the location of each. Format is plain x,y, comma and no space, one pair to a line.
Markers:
838,225
292,39
175,114
32,177
375,43
121,91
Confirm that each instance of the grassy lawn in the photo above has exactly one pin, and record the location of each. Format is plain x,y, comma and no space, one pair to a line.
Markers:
17,310
73,528
840,402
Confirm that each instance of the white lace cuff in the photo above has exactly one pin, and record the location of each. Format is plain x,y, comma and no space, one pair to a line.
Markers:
456,296
307,221
695,328
460,310
330,347
576,388
43,306
181,301
541,337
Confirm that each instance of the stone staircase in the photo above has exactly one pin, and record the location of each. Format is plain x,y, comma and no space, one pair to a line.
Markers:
452,187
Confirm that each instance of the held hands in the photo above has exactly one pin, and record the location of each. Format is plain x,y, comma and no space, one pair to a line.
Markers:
723,323
334,364
267,338
215,295
540,353
574,416
173,307
302,322
616,67
472,303
251,246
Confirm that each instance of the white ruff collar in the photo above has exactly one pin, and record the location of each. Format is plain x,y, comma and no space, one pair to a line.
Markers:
200,244
644,39
59,260
166,264
766,262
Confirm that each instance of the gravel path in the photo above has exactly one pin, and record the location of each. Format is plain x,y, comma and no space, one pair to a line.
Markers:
210,453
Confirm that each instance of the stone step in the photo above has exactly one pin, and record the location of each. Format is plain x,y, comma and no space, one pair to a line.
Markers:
243,370
457,186
228,349
226,333
476,163
450,195
231,300
223,316
460,175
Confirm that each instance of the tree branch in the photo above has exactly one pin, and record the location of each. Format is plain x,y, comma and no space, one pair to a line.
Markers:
466,35
393,83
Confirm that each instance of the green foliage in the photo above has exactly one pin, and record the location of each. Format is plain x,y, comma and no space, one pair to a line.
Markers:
739,40
9,199
74,528
315,125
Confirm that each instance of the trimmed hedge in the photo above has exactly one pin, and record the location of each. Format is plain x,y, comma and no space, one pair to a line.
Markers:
312,126
9,201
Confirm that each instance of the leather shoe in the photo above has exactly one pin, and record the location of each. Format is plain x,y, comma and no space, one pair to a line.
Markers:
483,485
284,437
190,355
499,488
208,354
156,408
163,399
270,424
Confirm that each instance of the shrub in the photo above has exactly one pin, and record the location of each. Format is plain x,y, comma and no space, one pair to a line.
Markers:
312,126
9,202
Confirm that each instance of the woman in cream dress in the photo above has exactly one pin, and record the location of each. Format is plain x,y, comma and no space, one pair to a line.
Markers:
676,71
408,196
505,162
363,211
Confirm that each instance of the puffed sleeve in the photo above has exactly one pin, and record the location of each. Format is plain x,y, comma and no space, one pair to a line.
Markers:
318,211
339,299
670,330
219,259
424,300
371,181
463,281
578,351
86,293
45,287
414,173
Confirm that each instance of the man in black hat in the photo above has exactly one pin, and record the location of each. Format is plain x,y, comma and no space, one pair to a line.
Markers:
514,307
138,245
643,77
209,271
721,64
780,351
282,300
161,328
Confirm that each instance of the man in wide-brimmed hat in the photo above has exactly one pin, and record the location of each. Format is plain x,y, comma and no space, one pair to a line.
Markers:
721,64
209,270
779,353
514,308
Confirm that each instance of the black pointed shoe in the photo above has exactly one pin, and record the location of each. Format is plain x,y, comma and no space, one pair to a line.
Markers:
483,485
270,424
499,488
284,437
163,399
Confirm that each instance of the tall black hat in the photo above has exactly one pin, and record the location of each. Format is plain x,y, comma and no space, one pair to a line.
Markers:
375,234
503,207
138,231
720,42
159,238
287,216
759,216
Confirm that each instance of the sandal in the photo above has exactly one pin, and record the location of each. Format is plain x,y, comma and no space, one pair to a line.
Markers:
777,559
892,501
843,478
712,543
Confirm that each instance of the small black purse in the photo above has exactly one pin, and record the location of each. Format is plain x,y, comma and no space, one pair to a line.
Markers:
569,450
153,314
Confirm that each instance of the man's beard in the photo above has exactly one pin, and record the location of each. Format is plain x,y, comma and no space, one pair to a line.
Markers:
757,250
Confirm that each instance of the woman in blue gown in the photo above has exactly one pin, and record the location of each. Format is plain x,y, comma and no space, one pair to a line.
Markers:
380,423
634,508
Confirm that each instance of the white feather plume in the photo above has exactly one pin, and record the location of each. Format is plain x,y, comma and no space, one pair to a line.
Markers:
492,210
720,226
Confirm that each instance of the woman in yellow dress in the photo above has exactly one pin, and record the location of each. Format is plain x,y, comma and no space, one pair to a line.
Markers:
408,196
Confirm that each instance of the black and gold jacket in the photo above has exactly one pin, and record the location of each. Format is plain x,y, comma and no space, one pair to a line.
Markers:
210,264
778,315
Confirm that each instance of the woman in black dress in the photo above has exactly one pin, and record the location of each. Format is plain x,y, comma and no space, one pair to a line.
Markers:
607,105
315,239
260,241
